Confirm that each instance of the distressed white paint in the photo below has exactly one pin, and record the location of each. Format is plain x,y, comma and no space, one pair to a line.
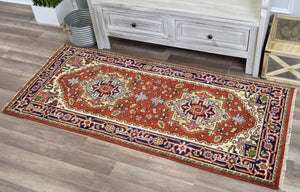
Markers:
248,10
232,27
263,26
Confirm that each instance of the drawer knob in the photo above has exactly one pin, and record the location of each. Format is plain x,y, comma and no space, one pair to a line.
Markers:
133,24
209,36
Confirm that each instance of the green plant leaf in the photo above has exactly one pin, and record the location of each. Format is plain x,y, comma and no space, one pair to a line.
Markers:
46,3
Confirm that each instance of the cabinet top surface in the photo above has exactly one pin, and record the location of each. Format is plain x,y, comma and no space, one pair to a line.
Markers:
243,10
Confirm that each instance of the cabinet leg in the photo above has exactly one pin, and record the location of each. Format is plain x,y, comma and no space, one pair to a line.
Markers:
249,66
103,42
251,51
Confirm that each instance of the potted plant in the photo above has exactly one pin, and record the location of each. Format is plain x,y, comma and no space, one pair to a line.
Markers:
51,11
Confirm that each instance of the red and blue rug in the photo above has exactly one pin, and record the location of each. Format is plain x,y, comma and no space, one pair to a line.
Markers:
231,126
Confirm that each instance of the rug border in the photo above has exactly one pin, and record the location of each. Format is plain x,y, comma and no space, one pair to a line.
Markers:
165,63
291,104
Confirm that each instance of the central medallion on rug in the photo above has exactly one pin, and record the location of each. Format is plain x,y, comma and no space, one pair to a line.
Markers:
213,116
231,126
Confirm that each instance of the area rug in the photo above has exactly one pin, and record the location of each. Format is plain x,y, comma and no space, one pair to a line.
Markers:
231,126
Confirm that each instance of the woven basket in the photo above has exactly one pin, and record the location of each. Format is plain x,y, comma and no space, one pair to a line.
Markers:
78,23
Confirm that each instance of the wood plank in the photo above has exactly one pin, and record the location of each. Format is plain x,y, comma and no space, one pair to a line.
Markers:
6,96
13,81
49,167
55,36
64,171
296,119
205,188
60,151
149,178
140,159
35,181
19,67
6,186
29,45
220,182
16,15
24,57
2,51
15,7
203,61
118,185
295,145
10,22
139,49
291,185
31,132
16,31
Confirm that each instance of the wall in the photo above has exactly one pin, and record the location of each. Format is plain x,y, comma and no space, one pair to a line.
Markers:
286,6
296,7
26,2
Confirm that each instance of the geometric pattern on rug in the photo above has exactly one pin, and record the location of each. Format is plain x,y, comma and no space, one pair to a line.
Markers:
228,125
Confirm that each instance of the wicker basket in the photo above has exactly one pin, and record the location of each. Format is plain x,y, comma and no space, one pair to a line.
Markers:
78,23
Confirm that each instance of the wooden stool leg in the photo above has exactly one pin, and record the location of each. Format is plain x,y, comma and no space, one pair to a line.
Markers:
265,65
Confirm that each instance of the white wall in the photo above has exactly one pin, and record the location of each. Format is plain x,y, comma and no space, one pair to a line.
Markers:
286,6
296,8
26,2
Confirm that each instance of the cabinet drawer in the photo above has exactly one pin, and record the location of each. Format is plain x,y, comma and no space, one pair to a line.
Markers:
213,35
138,23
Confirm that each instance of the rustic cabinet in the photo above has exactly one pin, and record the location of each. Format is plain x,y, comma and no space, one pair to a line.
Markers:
229,27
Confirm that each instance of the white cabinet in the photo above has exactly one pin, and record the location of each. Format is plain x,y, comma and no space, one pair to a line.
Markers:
232,27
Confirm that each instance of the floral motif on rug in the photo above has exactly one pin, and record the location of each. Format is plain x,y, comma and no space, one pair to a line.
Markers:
231,126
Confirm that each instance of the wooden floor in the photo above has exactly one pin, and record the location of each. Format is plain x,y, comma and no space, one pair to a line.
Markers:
36,157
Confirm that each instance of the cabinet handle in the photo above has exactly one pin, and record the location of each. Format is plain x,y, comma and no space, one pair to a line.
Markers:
133,24
209,36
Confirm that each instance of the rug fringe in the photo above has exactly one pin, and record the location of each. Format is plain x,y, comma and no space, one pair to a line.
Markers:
288,141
